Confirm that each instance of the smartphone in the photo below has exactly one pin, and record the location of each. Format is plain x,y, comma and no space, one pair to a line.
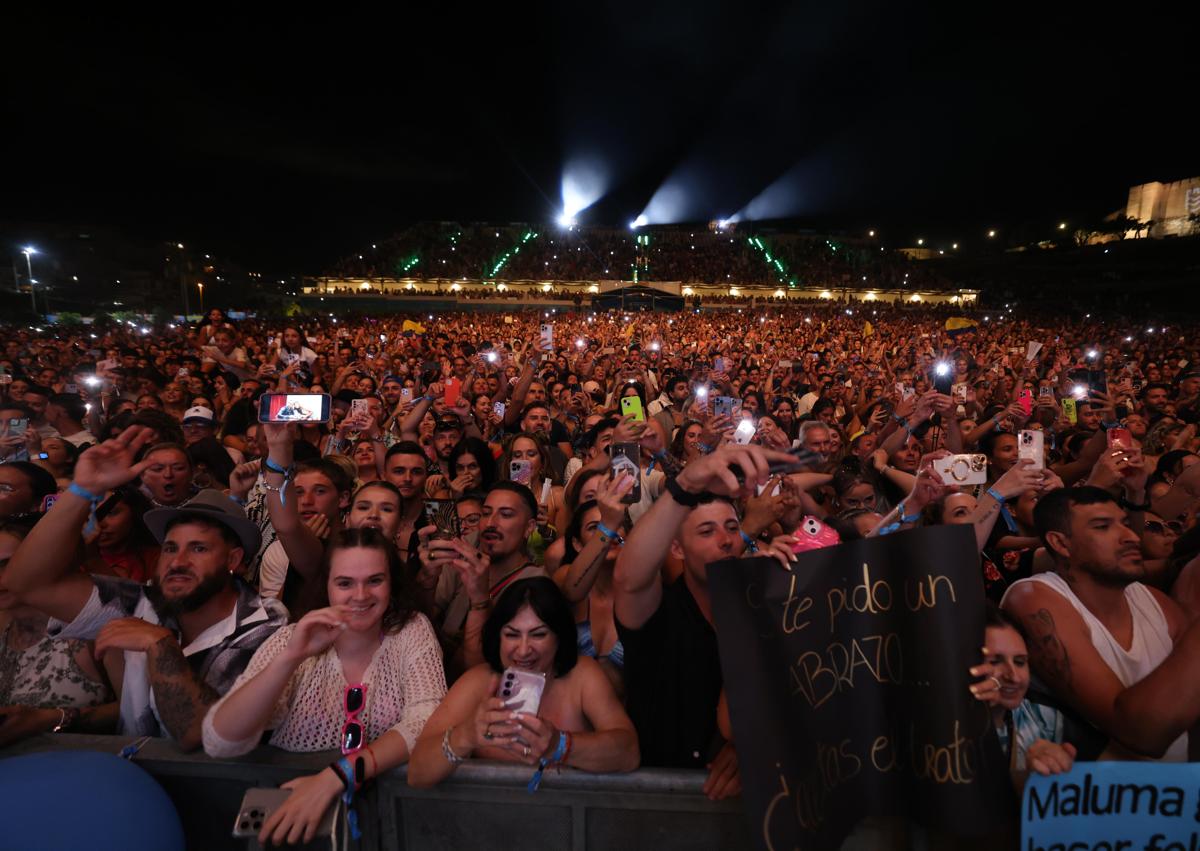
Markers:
744,432
359,407
1031,444
17,426
1046,393
959,393
719,365
257,806
293,408
520,471
723,406
1069,410
631,406
546,487
1097,381
943,383
962,469
71,388
1120,438
498,409
626,458
405,394
547,335
1025,400
443,513
183,373
521,691
453,392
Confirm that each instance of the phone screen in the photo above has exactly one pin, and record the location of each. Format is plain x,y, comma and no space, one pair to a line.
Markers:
631,406
293,408
626,458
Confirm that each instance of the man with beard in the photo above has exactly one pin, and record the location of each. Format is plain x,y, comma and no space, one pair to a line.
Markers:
465,580
1119,653
184,637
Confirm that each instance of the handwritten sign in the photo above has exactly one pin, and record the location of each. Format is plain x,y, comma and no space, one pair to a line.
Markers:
1114,806
847,686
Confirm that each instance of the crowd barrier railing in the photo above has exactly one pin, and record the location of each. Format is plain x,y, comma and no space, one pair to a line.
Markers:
484,806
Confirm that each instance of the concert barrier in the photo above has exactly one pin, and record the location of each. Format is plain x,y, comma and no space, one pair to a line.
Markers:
484,806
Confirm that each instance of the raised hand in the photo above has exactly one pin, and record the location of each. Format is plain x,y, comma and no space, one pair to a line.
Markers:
110,464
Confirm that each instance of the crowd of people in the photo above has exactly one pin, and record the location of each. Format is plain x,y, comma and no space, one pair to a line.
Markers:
687,255
493,544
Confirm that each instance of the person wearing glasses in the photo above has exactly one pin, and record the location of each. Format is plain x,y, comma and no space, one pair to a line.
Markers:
360,673
1158,545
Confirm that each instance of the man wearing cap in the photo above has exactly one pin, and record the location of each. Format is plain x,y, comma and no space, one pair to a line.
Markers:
185,636
199,422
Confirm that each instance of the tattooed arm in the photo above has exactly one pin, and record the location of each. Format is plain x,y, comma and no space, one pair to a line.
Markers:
1145,717
182,699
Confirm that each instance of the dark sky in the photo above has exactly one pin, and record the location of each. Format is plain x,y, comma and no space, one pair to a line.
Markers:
289,143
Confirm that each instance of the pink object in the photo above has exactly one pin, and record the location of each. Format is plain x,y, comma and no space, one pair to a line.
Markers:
812,534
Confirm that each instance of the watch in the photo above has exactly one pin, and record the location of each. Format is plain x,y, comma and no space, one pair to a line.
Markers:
684,498
1131,506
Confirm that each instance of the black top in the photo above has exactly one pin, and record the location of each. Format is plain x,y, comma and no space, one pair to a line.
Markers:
673,679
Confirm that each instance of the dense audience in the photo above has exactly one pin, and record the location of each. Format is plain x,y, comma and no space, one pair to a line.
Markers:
494,545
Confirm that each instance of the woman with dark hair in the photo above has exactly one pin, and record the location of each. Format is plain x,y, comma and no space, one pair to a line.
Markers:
1030,733
124,546
362,673
686,445
211,464
579,721
472,467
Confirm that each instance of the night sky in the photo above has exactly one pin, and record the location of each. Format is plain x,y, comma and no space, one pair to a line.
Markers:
288,143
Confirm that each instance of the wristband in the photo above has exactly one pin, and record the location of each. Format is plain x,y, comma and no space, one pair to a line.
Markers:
560,751
704,447
687,500
274,467
83,494
612,536
751,544
1131,506
1004,512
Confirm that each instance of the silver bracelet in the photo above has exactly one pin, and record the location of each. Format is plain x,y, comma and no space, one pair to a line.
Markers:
447,751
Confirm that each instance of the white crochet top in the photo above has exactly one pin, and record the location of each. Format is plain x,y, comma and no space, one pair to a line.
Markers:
405,683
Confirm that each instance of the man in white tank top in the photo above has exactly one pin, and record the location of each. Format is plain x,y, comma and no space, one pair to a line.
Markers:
1118,651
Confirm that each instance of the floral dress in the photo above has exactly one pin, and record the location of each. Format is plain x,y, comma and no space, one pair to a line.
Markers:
46,675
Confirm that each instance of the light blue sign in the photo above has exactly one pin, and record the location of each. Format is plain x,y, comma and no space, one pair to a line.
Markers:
1113,806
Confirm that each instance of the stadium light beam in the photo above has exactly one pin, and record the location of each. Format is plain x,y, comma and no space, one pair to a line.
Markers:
585,179
640,222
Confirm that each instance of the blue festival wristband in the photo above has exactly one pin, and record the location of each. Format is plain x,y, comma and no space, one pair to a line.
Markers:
609,533
751,544
1004,512
559,751
84,494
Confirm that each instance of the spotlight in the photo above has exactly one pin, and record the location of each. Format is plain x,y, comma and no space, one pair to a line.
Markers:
566,221
640,222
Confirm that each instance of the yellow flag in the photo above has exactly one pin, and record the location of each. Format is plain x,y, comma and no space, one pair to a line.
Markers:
414,327
868,330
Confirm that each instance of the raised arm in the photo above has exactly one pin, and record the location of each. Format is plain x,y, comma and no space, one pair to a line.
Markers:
1145,717
304,549
577,578
42,570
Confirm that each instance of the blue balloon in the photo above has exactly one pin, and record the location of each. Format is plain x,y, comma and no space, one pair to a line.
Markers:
83,799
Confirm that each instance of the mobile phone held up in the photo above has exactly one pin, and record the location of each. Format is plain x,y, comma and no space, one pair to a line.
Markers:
631,406
1031,444
521,691
626,458
293,408
453,391
547,335
443,513
520,471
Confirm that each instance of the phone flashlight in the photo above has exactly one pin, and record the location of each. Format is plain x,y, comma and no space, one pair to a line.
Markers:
701,392
1079,391
942,369
1093,354
654,347
580,343
491,356
91,381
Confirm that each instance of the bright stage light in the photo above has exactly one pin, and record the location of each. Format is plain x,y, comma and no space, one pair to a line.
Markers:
640,222
584,182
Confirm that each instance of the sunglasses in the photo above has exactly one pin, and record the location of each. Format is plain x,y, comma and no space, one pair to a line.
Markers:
1162,527
352,731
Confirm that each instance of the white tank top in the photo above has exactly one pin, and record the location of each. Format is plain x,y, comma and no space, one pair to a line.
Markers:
1151,645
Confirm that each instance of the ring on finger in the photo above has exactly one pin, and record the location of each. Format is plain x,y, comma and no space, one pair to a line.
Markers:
996,681
487,733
